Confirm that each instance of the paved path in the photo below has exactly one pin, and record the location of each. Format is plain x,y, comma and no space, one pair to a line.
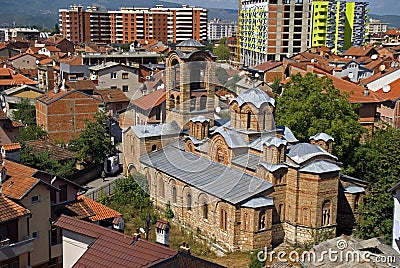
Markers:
96,185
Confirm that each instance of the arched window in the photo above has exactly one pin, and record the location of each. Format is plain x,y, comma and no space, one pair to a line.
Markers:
161,191
281,212
203,102
261,220
306,216
189,201
178,101
223,221
326,213
248,120
154,148
356,202
174,199
192,103
245,221
172,102
205,210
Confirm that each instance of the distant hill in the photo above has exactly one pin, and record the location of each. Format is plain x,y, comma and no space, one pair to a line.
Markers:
44,13
393,20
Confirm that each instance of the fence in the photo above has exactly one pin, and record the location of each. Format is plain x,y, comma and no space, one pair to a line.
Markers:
107,189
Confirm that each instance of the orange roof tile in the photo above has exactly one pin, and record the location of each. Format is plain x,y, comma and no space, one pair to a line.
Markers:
79,209
9,78
357,51
266,66
151,100
46,61
393,94
12,146
393,32
112,95
57,153
377,76
17,186
9,210
101,211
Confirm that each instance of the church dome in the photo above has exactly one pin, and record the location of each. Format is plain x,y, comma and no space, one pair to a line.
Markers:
255,96
190,43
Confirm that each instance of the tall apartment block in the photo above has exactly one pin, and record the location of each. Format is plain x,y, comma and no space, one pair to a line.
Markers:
169,25
80,26
273,29
216,29
339,24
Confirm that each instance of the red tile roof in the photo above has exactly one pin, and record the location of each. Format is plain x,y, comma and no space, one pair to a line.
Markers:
11,146
151,100
393,32
114,249
378,75
57,153
266,66
9,78
393,94
80,85
112,95
101,212
50,97
357,51
9,210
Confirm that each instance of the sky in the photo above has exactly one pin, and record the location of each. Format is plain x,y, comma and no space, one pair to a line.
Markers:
380,7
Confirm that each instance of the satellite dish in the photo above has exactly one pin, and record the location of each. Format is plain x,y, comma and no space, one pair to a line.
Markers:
386,88
382,68
218,110
4,110
350,75
37,62
93,77
374,57
142,230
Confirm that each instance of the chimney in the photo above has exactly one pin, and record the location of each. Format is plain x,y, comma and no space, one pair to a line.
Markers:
185,248
136,235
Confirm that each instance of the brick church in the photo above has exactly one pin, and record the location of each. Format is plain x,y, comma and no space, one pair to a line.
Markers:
242,184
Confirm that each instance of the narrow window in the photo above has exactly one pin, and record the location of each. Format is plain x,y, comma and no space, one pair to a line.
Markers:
261,221
326,213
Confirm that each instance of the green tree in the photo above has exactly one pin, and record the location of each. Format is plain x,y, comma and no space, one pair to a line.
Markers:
25,113
44,161
30,133
276,86
222,75
222,51
255,262
56,29
311,104
169,214
378,162
94,142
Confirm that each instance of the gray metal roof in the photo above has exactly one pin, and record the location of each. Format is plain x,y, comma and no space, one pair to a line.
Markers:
258,202
320,167
190,43
257,144
275,141
353,189
200,118
255,96
223,182
250,161
288,134
232,137
272,167
302,152
146,131
322,136
194,140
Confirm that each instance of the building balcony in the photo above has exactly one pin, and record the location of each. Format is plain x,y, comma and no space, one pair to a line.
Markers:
10,250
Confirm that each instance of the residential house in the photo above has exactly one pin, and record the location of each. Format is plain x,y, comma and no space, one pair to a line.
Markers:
24,61
386,85
393,36
115,100
46,74
11,151
14,95
49,51
115,75
147,71
9,129
7,52
23,185
16,242
72,69
62,113
268,71
355,52
89,245
149,109
10,78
